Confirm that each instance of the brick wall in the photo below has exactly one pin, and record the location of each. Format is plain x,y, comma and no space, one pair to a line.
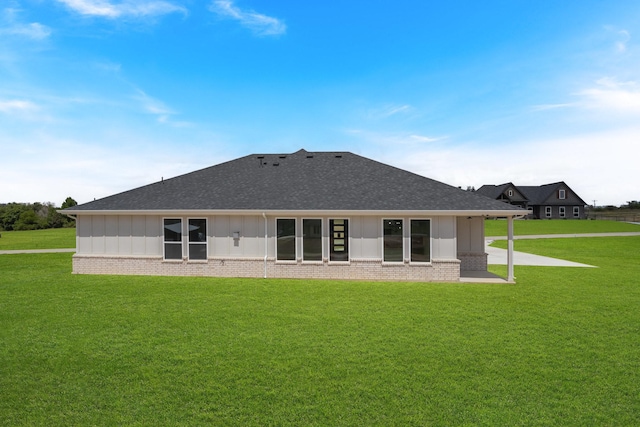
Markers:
437,271
473,261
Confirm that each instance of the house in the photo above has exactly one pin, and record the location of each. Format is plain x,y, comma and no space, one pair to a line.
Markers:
550,201
330,215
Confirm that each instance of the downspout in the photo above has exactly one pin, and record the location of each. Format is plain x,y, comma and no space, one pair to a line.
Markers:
510,277
266,245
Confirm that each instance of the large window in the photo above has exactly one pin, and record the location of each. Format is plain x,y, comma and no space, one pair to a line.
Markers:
312,240
576,211
547,211
198,239
562,211
339,240
286,239
392,231
172,238
420,240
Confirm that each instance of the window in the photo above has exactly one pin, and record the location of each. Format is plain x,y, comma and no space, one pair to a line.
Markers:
420,240
312,240
576,211
172,238
510,193
547,211
392,241
562,211
198,239
286,239
562,194
338,240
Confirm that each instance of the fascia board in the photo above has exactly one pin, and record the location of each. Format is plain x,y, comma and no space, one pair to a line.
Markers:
205,212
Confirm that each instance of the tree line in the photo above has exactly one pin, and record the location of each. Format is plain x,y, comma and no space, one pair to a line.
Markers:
34,216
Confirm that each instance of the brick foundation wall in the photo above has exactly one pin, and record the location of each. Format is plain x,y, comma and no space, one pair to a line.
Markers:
437,271
473,261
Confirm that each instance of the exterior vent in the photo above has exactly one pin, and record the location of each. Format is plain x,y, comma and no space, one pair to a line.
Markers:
338,156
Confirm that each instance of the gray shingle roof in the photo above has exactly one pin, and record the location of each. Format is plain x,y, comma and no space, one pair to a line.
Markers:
298,181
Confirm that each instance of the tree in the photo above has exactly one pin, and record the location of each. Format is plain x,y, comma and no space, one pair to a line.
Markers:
68,203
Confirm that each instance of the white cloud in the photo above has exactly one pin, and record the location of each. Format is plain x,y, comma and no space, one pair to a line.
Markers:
17,106
157,108
611,95
34,31
622,38
260,24
107,9
600,166
393,139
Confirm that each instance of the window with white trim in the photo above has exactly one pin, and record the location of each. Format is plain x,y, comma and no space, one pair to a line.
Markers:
510,193
172,238
392,240
311,239
198,239
547,211
286,239
562,194
420,240
576,211
338,240
562,211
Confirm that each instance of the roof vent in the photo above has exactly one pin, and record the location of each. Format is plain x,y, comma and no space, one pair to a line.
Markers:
276,164
283,157
309,156
338,156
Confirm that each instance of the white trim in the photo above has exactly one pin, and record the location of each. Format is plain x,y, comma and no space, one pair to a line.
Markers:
562,212
347,237
309,261
295,241
206,240
548,212
562,194
430,241
576,211
402,239
164,242
172,213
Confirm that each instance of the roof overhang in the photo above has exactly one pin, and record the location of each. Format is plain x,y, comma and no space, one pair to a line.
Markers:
514,213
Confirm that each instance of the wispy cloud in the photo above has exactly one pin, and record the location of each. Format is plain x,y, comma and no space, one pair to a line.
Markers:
107,9
34,31
622,38
609,94
19,106
260,24
10,25
394,139
157,108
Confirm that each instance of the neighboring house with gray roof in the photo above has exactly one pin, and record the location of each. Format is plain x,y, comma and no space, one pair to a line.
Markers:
550,201
333,215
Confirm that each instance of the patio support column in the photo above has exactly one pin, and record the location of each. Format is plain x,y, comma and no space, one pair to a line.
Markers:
510,277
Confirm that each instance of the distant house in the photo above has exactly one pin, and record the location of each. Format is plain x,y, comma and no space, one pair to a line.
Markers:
549,201
303,215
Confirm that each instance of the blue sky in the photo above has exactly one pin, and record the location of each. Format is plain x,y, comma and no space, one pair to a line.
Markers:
101,96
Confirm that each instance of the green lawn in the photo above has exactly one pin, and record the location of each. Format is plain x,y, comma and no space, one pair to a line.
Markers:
521,227
561,347
55,238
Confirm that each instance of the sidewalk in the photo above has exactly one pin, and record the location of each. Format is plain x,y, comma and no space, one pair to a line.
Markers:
497,256
562,236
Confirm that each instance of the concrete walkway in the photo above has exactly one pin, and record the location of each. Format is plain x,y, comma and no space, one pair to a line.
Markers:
498,256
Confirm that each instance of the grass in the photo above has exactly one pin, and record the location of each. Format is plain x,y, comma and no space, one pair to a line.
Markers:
54,238
556,226
559,348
